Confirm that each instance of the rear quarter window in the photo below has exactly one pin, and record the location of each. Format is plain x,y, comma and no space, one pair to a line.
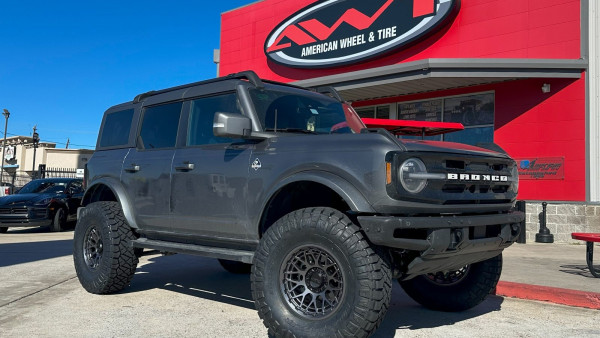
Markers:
159,126
116,128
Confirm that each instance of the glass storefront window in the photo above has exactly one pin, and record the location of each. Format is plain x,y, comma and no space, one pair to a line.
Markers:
472,136
475,112
383,112
366,112
470,110
379,112
421,111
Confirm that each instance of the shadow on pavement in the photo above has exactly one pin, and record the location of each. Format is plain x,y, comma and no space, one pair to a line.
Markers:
19,253
195,276
69,227
205,278
406,315
579,270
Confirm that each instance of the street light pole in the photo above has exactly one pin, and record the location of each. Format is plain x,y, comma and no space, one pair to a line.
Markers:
36,140
6,114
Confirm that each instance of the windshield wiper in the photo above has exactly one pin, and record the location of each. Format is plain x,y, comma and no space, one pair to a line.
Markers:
292,130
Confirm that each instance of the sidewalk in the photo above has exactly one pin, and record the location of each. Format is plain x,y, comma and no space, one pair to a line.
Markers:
556,273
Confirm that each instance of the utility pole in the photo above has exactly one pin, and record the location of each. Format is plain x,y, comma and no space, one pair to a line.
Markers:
36,141
6,114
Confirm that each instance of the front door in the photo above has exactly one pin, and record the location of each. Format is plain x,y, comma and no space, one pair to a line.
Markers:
209,186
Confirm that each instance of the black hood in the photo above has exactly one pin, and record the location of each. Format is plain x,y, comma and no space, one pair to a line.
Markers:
449,147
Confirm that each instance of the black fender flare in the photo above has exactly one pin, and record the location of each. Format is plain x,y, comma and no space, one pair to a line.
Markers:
346,190
119,191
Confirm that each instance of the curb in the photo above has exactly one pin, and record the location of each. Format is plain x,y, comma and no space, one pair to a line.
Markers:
590,300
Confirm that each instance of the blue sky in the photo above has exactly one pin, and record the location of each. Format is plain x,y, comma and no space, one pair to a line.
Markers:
63,63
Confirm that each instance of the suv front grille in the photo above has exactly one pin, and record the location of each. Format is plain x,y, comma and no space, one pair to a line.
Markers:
13,211
469,179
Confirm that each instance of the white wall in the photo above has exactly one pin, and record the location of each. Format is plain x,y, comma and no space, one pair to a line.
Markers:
67,158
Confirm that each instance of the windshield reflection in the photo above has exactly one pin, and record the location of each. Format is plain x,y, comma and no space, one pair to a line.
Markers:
38,187
311,113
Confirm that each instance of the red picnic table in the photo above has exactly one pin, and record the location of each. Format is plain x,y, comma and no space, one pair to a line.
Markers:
589,239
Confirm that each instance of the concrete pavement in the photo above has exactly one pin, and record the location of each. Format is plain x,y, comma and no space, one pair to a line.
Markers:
555,273
191,296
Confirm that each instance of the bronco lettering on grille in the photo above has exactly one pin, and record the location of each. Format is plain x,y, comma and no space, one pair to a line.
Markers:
477,177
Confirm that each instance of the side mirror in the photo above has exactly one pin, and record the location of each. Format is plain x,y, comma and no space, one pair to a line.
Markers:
231,125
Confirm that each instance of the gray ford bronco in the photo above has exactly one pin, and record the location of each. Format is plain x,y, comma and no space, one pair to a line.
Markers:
288,184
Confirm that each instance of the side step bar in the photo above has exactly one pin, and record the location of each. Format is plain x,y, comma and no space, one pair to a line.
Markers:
192,249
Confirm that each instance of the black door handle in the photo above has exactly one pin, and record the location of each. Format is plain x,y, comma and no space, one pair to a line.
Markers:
186,166
133,168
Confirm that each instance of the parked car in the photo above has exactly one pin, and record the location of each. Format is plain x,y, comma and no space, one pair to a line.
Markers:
50,202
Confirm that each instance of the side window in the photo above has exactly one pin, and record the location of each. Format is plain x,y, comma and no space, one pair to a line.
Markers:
159,126
200,128
116,128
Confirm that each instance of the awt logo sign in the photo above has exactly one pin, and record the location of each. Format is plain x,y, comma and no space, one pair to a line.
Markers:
330,33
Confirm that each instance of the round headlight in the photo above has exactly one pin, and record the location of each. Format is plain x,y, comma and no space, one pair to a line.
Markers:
411,175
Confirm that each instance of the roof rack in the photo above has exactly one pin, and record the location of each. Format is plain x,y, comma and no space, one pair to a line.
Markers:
248,75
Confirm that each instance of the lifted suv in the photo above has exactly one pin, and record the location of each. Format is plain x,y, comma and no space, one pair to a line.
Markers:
290,185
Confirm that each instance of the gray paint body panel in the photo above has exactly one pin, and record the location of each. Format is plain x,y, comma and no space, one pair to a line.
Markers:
221,197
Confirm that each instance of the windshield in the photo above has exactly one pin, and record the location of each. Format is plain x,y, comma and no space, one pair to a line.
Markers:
304,112
46,187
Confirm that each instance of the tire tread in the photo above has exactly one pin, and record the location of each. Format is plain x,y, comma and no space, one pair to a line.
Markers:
374,272
122,261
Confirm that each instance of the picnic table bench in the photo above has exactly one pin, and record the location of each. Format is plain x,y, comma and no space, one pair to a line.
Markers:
589,238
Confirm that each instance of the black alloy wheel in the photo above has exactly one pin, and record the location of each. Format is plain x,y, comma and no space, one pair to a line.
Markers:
455,290
315,275
92,248
312,281
448,277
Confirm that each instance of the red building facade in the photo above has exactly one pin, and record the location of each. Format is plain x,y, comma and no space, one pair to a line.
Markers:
527,57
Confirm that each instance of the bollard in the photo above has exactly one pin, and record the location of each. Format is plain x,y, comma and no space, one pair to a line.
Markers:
544,236
522,239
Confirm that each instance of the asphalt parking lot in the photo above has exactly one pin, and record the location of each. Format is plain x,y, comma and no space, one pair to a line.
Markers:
188,296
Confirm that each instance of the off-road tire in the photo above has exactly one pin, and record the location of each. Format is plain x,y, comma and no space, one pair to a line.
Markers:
462,293
59,221
235,267
104,260
356,276
3,230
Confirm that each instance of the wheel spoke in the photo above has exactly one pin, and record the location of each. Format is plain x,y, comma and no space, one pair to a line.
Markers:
448,277
312,282
93,248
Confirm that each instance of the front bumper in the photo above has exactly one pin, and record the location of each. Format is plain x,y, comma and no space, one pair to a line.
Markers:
24,217
444,242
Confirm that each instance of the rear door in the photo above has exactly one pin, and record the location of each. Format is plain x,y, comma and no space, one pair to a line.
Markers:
146,172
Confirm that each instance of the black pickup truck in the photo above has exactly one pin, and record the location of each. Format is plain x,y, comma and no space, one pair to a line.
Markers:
289,185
